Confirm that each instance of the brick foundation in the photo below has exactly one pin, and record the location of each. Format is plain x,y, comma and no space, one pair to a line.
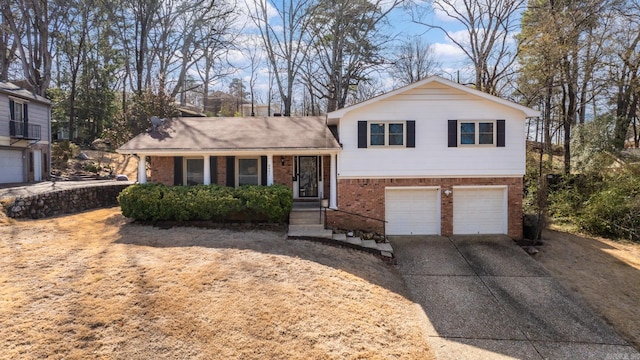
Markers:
366,197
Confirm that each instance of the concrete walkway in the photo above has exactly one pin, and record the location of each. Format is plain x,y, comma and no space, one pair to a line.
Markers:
483,297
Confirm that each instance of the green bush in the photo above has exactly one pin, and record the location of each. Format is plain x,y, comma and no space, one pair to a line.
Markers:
157,202
615,210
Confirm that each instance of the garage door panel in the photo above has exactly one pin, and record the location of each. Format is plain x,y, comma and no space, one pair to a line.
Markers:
11,166
412,211
479,211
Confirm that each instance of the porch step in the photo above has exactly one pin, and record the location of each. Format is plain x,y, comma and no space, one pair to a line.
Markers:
306,217
310,231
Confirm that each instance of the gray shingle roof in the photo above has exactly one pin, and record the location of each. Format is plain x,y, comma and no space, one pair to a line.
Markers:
235,134
15,90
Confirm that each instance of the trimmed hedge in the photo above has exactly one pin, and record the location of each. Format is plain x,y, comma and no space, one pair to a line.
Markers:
157,202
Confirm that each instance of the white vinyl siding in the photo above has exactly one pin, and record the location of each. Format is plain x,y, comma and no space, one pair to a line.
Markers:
412,210
12,166
480,210
432,109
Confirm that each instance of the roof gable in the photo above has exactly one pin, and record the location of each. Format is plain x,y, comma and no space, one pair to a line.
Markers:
433,87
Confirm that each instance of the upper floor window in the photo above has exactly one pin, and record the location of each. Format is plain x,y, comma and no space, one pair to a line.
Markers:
17,110
386,134
477,133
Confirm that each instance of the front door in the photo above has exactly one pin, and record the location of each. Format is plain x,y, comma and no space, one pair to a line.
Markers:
308,176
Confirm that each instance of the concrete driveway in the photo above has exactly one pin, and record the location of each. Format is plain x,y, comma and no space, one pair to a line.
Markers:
483,297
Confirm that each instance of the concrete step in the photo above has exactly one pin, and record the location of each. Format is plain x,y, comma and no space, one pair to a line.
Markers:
385,247
316,231
340,237
354,240
306,218
371,244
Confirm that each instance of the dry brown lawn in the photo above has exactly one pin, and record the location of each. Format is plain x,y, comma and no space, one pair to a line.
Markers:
93,285
604,273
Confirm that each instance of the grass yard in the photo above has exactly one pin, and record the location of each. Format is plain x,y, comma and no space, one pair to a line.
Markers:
93,285
604,273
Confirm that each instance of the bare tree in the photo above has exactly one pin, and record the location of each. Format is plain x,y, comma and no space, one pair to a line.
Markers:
489,27
285,41
32,24
350,37
415,61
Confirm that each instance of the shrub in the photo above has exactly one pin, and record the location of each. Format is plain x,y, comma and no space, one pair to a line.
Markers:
157,202
615,210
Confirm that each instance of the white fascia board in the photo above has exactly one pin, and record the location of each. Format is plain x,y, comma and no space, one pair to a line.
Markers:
248,152
334,116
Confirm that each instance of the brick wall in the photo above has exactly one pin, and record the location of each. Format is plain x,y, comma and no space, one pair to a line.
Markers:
283,174
161,170
366,197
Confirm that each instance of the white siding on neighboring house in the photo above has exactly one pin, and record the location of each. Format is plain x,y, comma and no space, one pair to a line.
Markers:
431,106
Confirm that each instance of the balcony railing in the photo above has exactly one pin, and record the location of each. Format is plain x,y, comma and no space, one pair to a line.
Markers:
18,129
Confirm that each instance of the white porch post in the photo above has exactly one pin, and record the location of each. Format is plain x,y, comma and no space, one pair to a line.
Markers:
333,198
207,170
269,170
142,169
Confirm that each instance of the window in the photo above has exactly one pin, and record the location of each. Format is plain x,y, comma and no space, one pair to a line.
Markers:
386,134
248,171
477,133
18,112
194,171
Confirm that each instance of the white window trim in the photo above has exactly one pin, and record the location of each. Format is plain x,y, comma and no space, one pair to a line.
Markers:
386,134
237,168
184,168
477,133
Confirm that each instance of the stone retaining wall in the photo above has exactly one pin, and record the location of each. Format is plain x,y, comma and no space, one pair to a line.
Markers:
64,201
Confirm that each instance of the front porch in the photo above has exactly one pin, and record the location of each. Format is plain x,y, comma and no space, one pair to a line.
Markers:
310,176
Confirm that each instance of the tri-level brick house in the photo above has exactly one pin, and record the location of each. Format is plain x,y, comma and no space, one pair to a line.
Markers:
434,157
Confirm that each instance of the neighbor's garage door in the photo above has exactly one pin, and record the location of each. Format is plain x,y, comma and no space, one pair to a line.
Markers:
11,166
412,211
479,210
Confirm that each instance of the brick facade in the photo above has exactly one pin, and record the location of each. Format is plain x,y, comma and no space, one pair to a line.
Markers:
366,197
161,170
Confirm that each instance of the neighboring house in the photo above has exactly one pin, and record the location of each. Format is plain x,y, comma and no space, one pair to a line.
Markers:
434,157
259,110
25,135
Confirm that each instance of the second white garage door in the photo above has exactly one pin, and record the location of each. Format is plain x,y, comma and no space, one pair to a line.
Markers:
412,210
11,166
479,210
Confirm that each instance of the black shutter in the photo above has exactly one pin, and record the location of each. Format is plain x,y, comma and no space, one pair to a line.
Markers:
231,171
453,133
500,130
263,170
411,133
177,170
213,169
26,121
362,134
12,107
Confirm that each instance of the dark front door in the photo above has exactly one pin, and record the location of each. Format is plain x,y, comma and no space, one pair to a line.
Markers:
308,176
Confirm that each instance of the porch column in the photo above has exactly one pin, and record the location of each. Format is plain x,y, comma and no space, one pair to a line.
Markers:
142,169
333,183
269,170
207,170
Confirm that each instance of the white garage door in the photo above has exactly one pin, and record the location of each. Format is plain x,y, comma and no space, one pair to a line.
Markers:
412,211
11,166
479,210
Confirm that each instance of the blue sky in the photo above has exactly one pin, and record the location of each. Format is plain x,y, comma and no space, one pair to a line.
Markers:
447,54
